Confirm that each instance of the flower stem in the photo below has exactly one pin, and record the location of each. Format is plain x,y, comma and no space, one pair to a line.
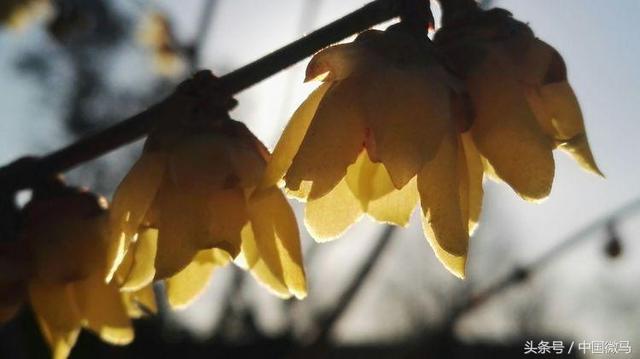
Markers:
25,173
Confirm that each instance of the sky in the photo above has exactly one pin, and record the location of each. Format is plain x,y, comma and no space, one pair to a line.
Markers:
599,42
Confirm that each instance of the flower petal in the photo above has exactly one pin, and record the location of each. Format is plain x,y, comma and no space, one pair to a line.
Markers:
368,180
101,305
438,185
371,184
456,264
333,141
329,216
566,118
397,206
140,302
505,130
131,201
407,111
291,138
537,60
142,268
179,227
57,314
202,162
338,61
471,175
276,243
184,287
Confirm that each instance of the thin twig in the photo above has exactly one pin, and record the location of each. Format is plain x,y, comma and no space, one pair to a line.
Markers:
350,293
522,273
201,34
24,174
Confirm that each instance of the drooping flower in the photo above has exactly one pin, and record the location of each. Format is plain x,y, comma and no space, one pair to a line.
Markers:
65,236
186,208
383,131
522,104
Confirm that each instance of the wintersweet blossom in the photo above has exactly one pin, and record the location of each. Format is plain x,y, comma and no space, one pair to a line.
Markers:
522,106
383,131
65,235
186,207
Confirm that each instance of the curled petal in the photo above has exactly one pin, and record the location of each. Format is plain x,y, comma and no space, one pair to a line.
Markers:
564,113
184,287
337,62
578,148
291,138
333,141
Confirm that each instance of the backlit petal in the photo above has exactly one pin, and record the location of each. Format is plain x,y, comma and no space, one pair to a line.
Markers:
566,118
506,132
57,314
456,264
337,62
471,175
277,241
438,185
333,141
407,111
142,268
102,307
140,302
184,287
329,216
179,228
250,258
368,180
131,202
396,206
291,138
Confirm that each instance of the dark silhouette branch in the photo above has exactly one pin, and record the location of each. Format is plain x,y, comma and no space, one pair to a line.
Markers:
522,273
202,32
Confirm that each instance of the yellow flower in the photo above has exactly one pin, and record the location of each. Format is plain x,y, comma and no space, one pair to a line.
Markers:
66,237
380,133
522,105
186,208
18,13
